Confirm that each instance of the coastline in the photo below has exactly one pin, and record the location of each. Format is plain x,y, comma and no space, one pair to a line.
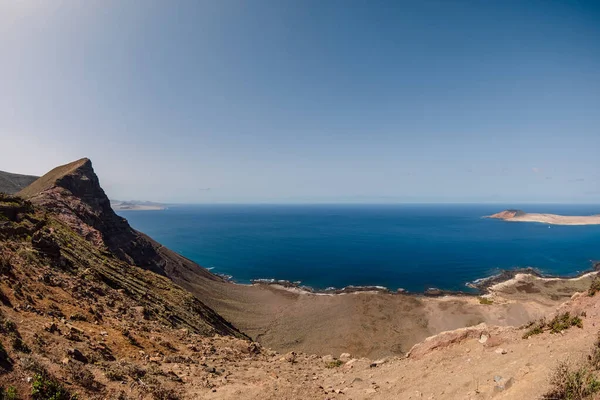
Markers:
482,286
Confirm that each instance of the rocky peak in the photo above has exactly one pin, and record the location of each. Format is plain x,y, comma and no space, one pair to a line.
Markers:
73,192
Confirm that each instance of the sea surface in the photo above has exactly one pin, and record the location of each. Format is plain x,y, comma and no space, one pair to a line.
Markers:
414,247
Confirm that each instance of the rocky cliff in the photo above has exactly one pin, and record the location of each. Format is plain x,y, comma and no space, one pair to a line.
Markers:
73,193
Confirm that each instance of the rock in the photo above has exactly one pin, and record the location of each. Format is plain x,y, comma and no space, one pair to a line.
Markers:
254,348
77,355
500,351
345,357
290,357
328,358
503,384
483,338
156,360
52,327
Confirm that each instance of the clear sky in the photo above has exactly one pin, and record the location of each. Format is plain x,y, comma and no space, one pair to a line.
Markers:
307,101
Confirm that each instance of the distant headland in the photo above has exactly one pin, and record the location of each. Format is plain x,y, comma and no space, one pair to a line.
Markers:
553,219
136,205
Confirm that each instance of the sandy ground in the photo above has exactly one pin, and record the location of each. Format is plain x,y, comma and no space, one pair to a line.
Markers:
554,219
469,363
372,324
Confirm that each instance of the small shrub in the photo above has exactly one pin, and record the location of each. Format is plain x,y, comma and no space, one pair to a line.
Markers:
594,287
8,327
486,301
9,394
160,393
559,323
114,374
564,321
569,383
78,317
32,364
45,387
82,376
131,339
334,364
534,328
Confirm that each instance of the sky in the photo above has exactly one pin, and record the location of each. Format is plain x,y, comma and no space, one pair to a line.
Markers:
285,101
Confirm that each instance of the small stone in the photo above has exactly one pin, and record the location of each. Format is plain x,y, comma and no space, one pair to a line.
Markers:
483,338
503,384
345,357
290,357
500,351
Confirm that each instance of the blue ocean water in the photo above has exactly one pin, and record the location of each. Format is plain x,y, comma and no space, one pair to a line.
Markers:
398,246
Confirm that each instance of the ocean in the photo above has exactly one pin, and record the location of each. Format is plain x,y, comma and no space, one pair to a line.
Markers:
414,247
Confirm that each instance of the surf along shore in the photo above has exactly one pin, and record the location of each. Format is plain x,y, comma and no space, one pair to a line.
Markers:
375,322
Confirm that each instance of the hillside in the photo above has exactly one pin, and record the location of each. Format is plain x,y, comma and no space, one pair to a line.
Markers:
91,307
11,183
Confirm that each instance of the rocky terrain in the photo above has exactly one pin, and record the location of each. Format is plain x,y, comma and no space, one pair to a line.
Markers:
552,219
11,183
92,309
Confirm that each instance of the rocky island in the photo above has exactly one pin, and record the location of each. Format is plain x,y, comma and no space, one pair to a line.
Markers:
553,219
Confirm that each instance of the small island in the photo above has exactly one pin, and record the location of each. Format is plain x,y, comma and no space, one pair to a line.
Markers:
553,219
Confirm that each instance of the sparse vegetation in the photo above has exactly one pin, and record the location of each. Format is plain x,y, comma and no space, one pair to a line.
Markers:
45,387
594,287
559,323
572,383
334,364
161,393
9,394
82,375
130,338
486,301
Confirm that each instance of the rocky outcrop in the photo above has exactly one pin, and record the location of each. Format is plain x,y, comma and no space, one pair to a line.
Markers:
74,194
446,339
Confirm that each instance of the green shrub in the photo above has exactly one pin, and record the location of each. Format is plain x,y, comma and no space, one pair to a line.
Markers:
486,301
559,323
9,394
334,364
44,387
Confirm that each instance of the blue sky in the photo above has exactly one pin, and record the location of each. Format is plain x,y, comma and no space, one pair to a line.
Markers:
307,101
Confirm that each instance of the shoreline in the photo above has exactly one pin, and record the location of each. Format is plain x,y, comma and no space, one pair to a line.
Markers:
482,286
